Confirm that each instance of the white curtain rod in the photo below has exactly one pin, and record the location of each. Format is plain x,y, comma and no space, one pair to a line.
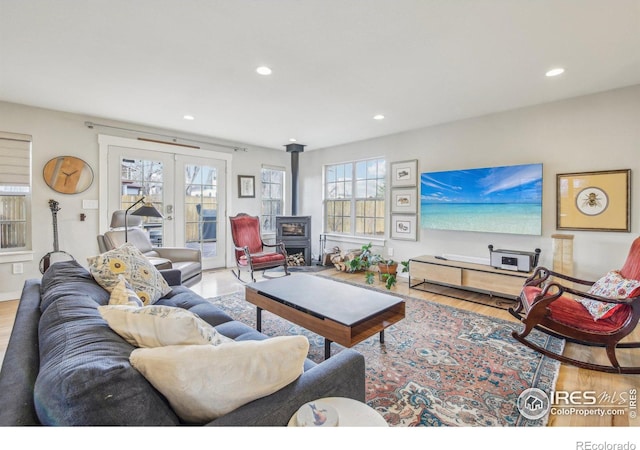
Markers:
174,138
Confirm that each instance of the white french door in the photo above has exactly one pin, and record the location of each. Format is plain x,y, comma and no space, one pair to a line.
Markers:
136,173
201,212
189,190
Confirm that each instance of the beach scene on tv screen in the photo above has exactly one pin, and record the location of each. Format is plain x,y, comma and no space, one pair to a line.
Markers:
506,199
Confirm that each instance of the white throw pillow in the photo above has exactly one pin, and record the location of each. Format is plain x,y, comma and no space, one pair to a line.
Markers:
126,260
204,382
159,325
122,294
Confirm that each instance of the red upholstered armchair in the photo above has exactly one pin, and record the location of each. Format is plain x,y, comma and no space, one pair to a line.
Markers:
249,249
601,315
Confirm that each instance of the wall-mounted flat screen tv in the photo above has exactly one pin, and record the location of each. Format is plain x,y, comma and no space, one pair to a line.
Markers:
505,199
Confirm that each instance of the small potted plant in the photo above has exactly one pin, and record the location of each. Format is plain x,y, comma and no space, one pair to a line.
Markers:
387,270
387,267
390,277
362,261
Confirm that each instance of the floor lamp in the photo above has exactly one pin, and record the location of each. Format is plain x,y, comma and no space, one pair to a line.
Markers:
146,210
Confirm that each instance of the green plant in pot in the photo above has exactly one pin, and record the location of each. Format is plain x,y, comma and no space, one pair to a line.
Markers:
363,260
387,267
388,270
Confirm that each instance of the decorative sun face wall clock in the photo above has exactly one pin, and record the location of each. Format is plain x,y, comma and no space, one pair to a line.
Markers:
594,201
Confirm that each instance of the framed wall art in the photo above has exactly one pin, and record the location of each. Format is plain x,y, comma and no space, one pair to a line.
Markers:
404,173
68,175
404,200
495,199
594,201
246,186
404,226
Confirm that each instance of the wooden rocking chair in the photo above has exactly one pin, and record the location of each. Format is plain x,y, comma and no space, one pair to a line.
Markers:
249,249
549,303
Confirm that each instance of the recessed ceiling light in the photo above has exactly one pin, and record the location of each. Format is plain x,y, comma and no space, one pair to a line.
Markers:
555,72
188,117
292,140
378,117
263,70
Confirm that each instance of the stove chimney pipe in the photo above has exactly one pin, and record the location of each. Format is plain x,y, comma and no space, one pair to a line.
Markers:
294,149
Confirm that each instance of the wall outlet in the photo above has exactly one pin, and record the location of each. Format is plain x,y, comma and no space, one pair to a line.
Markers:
17,268
90,204
390,251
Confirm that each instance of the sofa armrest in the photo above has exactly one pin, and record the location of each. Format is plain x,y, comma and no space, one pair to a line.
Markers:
176,254
342,375
21,362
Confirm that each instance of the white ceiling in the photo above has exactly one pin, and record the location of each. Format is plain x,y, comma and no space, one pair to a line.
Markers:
336,63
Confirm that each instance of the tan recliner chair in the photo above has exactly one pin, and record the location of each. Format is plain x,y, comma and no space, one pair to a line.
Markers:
187,260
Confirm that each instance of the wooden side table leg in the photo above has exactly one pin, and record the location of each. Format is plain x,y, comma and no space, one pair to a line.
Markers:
258,318
382,336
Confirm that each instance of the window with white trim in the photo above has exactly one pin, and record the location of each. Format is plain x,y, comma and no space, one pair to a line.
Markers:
272,197
15,192
354,198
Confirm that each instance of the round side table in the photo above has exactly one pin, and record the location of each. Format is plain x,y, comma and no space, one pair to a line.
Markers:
351,413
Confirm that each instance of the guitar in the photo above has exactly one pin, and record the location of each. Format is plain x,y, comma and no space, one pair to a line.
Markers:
57,254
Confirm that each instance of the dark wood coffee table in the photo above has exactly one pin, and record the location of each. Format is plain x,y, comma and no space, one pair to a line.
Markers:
339,312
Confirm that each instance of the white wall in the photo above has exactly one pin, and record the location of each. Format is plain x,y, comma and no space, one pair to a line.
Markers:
589,133
56,133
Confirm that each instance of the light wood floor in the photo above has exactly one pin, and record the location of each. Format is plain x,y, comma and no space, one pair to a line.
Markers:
570,378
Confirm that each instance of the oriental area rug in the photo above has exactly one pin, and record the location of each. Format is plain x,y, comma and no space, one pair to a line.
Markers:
439,366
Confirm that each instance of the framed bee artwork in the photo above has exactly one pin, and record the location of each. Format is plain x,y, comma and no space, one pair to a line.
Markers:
594,201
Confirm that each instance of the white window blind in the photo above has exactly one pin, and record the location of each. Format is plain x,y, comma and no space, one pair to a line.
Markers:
15,159
15,191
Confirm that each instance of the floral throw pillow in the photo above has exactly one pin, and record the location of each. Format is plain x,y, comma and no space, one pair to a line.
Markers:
612,285
145,280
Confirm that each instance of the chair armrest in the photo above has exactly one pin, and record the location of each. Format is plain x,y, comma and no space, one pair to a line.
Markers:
554,290
588,295
173,277
279,245
244,250
176,254
342,375
542,274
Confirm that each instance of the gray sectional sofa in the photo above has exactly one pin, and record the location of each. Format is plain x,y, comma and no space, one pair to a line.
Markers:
65,366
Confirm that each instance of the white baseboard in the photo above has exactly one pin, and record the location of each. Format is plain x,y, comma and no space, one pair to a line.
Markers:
6,296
